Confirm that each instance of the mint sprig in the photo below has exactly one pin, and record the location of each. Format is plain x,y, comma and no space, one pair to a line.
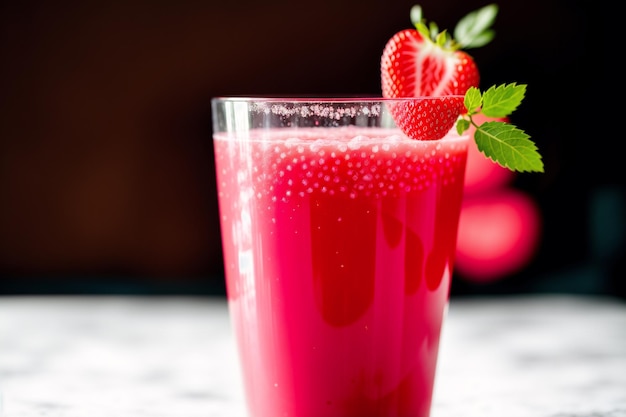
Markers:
500,141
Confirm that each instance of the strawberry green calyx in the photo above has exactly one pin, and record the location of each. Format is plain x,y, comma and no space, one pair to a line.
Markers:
472,31
500,141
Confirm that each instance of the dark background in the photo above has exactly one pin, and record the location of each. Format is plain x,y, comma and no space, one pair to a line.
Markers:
106,164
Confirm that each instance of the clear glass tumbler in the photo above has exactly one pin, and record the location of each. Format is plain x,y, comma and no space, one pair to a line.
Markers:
339,237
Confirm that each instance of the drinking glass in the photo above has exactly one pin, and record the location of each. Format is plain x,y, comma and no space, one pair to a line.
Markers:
339,237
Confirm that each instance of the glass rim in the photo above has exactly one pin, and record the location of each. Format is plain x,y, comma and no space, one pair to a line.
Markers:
295,99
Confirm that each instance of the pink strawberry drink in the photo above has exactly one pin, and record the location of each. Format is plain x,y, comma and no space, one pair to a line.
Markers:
338,246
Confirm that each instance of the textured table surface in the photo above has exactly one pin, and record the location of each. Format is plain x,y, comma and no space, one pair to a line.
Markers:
173,356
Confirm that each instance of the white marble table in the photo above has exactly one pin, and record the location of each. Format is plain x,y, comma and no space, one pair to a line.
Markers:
174,357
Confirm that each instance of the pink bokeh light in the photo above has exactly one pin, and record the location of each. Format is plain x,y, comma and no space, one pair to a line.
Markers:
498,234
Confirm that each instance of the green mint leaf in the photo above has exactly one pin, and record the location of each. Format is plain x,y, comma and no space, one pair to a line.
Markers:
500,141
473,100
502,100
462,125
473,30
508,146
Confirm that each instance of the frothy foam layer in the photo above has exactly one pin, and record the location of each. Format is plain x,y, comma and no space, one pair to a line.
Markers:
371,162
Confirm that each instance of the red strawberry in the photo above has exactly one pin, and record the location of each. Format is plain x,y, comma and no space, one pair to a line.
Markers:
414,66
426,118
423,62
